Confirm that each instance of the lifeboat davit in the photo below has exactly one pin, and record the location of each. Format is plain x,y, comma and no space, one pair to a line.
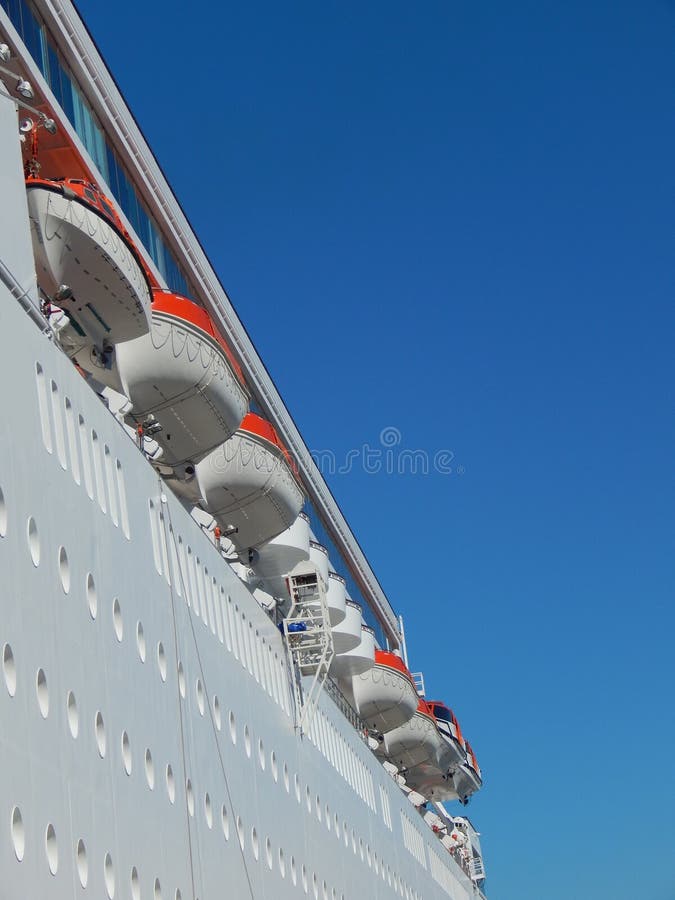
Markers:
250,485
184,376
86,261
385,696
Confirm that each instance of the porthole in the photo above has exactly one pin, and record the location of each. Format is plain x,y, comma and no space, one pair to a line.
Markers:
99,733
274,768
9,669
109,876
18,833
118,623
170,784
149,769
261,754
82,863
233,728
140,641
304,878
296,782
217,718
64,570
240,831
294,871
208,811
161,661
287,780
126,753
190,797
51,849
247,741
268,853
254,843
282,862
225,822
135,884
200,696
33,541
181,680
42,693
92,597
308,799
157,891
3,515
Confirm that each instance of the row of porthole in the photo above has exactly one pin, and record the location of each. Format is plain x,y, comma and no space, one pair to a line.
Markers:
43,697
126,756
18,838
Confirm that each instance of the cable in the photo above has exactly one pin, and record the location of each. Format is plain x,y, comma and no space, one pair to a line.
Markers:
201,669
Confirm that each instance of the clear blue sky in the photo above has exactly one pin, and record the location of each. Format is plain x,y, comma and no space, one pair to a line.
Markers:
456,218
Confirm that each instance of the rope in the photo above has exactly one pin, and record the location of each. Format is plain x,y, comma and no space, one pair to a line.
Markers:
211,718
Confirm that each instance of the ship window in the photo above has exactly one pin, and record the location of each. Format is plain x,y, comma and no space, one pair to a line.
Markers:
90,195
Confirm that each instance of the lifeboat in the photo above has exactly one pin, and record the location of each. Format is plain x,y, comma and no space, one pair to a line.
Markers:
183,376
319,556
385,696
414,742
435,776
360,659
281,555
86,261
447,724
336,599
347,634
250,485
468,778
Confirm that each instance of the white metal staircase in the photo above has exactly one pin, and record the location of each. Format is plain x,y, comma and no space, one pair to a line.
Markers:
308,638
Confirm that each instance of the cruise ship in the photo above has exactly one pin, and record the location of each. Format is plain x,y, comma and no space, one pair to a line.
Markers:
204,690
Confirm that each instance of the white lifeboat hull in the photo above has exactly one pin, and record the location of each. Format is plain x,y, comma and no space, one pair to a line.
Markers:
412,743
248,484
384,697
358,660
180,375
75,246
336,599
466,782
347,634
281,555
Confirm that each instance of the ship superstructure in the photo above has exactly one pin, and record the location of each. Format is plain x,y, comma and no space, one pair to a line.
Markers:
203,684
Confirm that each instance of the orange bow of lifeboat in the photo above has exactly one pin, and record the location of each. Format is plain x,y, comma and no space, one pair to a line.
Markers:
415,742
86,261
250,485
385,696
184,376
